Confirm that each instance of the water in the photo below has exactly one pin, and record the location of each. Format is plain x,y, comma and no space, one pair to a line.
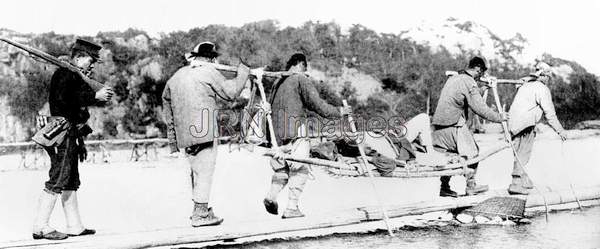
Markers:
575,229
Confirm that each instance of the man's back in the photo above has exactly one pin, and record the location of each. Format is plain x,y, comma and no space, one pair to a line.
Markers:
292,98
452,102
532,100
458,95
189,96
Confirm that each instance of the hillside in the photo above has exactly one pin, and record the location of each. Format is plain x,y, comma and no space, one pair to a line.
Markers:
460,37
381,74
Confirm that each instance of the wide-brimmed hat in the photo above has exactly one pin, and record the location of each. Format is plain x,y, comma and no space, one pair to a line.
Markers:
91,48
204,49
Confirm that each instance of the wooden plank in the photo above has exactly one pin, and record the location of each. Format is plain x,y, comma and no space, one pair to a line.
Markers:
553,197
177,236
203,234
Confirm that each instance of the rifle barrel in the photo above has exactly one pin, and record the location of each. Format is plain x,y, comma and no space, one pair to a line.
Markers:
55,61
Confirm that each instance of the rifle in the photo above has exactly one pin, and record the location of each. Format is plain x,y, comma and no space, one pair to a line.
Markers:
95,85
500,81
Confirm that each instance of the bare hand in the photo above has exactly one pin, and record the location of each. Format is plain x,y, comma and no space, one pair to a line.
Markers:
563,135
279,155
243,69
346,110
105,94
296,166
492,82
41,121
258,72
504,116
266,107
82,154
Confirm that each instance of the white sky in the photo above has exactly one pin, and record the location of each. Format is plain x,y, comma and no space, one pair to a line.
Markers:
562,28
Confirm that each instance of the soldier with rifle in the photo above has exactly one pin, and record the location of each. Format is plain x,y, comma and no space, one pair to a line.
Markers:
70,95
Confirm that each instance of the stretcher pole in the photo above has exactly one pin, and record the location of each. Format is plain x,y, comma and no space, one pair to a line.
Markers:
263,96
363,160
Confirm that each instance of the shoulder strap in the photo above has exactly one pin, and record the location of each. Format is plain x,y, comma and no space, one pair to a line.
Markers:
275,88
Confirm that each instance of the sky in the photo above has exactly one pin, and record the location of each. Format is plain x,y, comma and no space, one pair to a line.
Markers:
562,28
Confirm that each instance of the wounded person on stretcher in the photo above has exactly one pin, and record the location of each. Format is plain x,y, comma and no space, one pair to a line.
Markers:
393,147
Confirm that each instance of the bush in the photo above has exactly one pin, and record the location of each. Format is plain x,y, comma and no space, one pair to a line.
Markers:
411,74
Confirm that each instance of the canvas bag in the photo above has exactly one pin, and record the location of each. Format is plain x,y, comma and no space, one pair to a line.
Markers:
53,133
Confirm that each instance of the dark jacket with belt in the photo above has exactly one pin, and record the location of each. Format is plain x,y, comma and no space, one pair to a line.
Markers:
70,96
291,100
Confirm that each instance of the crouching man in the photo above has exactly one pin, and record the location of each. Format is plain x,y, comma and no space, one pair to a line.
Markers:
189,102
451,134
69,98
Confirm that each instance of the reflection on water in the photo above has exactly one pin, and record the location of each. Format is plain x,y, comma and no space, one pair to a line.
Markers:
576,229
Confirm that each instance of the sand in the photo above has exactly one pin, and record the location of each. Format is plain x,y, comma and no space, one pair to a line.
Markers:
127,196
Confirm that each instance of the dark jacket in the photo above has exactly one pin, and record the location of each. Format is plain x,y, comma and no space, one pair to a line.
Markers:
291,100
70,96
459,94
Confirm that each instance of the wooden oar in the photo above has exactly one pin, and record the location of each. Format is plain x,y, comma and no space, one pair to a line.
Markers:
509,141
371,177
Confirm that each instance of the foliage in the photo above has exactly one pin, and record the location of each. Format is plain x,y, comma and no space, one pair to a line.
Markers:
411,74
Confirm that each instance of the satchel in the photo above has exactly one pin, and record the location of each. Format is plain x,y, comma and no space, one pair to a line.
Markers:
53,133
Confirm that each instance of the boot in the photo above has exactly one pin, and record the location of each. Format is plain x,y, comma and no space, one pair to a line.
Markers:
296,185
41,228
521,177
515,189
445,190
527,183
448,193
474,189
271,206
278,181
204,216
292,213
72,217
